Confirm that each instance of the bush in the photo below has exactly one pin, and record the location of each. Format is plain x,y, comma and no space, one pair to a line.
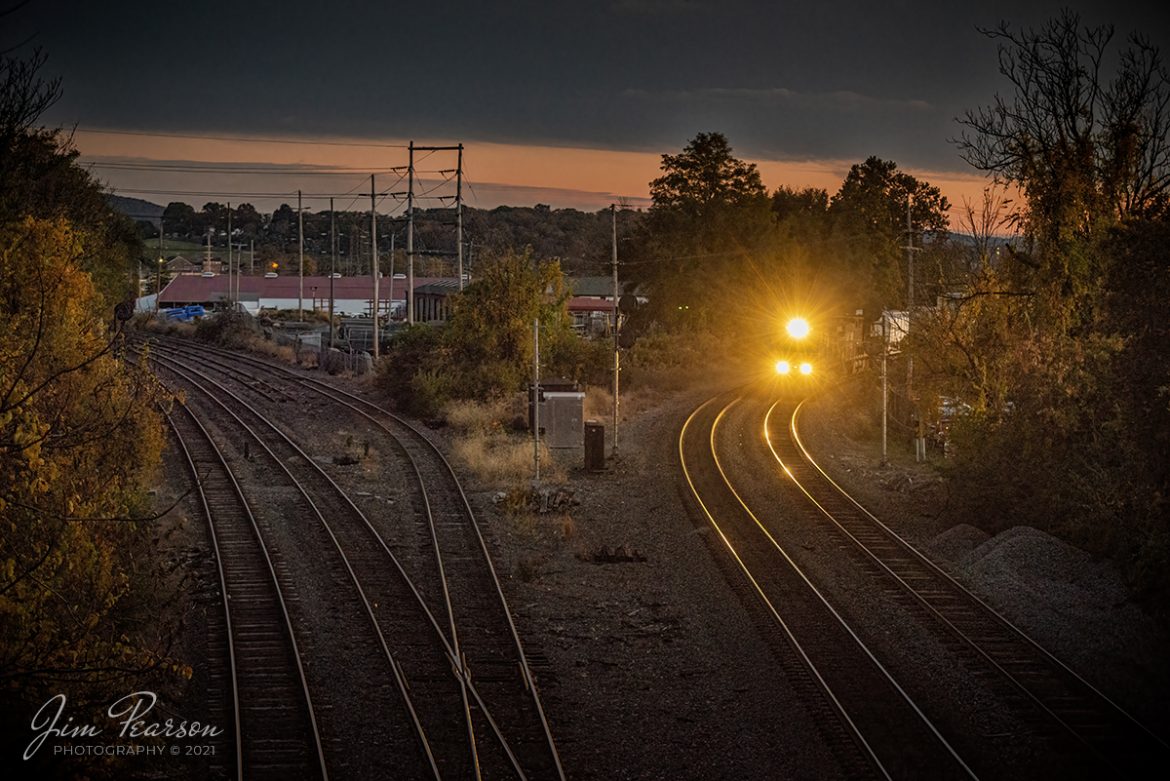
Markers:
234,330
410,352
430,389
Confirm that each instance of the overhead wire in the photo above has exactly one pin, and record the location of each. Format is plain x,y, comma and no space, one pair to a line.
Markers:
245,139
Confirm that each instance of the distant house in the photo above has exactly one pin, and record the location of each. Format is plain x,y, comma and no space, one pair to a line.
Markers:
180,264
591,305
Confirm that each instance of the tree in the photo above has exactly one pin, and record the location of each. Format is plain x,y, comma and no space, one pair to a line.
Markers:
1083,149
179,219
490,333
24,95
1058,345
78,442
78,434
486,349
705,178
811,203
868,216
709,211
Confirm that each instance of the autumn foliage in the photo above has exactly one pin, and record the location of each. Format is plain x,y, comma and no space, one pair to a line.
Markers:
79,438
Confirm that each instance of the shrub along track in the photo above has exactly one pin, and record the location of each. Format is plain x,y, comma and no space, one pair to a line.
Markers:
460,585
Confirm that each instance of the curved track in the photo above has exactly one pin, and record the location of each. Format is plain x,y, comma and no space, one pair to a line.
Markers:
1087,721
876,728
481,640
275,729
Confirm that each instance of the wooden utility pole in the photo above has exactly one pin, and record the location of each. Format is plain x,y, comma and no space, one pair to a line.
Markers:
374,266
885,387
410,238
536,401
301,263
919,439
158,282
909,293
616,358
332,264
459,215
229,251
390,307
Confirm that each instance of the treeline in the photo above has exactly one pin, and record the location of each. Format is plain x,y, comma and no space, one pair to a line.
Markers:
579,240
1050,345
81,600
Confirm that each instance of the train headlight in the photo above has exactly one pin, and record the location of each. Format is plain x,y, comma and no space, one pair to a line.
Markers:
783,367
797,328
806,368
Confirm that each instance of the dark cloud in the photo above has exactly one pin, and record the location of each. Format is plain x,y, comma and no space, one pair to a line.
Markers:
784,80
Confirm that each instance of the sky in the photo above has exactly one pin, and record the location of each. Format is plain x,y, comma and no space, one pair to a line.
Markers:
563,103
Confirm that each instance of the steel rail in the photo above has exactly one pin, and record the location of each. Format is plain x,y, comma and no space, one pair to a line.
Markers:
223,583
940,609
461,674
356,403
830,696
400,680
820,596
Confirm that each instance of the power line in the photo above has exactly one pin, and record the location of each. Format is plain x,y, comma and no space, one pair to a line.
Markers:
228,168
247,139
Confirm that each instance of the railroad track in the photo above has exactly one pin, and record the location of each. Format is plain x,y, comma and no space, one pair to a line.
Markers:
481,639
347,610
1108,738
274,729
874,726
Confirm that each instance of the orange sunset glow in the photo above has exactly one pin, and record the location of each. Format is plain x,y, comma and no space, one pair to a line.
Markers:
498,173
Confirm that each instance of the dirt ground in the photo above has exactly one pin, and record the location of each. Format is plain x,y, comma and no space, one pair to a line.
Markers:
623,595
652,662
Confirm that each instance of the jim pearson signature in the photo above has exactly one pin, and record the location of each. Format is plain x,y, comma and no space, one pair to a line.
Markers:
130,712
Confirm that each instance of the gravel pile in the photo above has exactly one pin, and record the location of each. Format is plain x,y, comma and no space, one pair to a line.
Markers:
1075,606
956,542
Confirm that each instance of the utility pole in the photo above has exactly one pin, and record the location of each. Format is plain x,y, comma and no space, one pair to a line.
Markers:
410,238
919,439
158,281
390,309
332,264
229,249
885,388
300,234
251,256
616,358
374,265
909,292
536,400
459,215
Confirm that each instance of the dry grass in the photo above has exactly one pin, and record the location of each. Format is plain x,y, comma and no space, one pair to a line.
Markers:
599,403
497,459
282,352
477,416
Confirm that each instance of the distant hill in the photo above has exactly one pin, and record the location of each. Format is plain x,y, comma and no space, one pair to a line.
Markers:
137,209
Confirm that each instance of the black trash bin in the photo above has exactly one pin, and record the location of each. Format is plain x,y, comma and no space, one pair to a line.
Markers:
594,446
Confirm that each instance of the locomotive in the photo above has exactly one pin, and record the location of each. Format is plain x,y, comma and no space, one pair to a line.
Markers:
795,352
